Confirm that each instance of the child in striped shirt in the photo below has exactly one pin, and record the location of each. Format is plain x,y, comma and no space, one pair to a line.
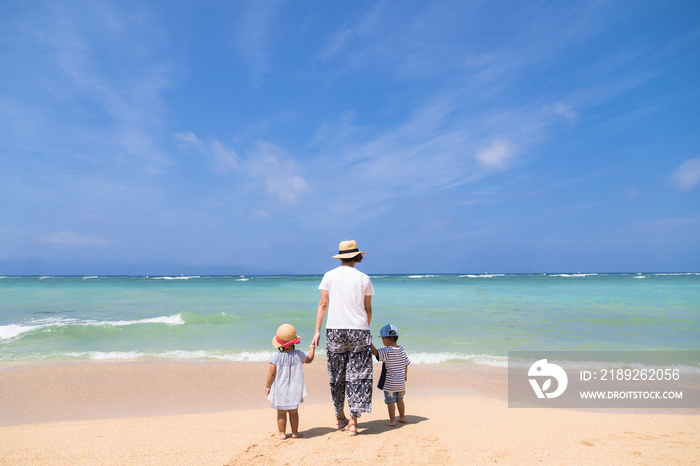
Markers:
394,372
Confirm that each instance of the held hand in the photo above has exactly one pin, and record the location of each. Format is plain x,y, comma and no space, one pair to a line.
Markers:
317,339
267,390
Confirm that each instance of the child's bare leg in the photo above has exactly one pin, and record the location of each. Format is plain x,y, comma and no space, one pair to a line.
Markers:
294,422
392,414
402,411
281,424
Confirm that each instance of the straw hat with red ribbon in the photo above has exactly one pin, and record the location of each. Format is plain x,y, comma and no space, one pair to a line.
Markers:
285,337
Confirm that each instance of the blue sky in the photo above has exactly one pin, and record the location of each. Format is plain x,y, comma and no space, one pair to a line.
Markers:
234,137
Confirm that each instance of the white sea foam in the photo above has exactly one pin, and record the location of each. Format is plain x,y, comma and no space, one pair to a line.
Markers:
264,356
639,276
16,330
242,279
485,275
90,277
245,356
440,358
112,355
12,331
169,320
179,277
421,276
45,277
580,275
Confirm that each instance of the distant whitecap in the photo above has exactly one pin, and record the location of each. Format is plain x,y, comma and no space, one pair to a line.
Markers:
179,277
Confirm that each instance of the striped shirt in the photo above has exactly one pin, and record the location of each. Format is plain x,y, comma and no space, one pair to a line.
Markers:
394,368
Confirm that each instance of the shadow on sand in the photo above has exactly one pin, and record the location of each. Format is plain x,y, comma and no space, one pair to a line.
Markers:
365,428
379,426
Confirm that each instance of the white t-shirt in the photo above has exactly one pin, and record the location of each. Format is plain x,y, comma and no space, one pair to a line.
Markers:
347,288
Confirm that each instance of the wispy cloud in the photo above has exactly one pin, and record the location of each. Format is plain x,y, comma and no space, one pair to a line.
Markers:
219,157
687,176
669,227
143,121
103,72
71,239
352,30
497,155
436,147
265,162
253,36
277,168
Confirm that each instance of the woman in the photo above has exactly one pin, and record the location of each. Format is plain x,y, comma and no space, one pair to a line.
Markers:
346,296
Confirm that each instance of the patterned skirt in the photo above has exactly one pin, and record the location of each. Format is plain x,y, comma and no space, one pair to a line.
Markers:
350,369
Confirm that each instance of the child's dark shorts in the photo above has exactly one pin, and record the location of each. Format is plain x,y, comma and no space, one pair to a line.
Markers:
393,397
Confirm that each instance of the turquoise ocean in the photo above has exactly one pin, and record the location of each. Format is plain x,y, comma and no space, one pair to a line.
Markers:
442,319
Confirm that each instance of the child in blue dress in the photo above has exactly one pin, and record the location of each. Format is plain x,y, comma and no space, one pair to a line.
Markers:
285,381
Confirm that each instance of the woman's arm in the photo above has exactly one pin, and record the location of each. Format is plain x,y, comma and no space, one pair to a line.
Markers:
270,378
320,315
368,308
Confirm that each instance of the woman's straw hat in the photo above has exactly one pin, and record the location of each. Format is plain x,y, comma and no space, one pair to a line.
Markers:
286,336
348,250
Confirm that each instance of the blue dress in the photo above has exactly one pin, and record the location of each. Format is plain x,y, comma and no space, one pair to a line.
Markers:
288,389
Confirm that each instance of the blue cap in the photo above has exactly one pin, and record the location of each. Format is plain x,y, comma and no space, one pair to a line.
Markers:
389,331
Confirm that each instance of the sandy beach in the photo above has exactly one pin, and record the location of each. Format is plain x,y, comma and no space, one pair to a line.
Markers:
216,413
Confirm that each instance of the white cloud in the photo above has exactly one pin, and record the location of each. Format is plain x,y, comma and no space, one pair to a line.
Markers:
268,162
668,226
72,239
223,159
278,170
189,137
498,155
436,147
80,38
565,111
687,176
631,193
254,34
349,31
220,158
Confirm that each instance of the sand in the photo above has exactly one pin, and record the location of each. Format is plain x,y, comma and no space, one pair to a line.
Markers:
216,413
